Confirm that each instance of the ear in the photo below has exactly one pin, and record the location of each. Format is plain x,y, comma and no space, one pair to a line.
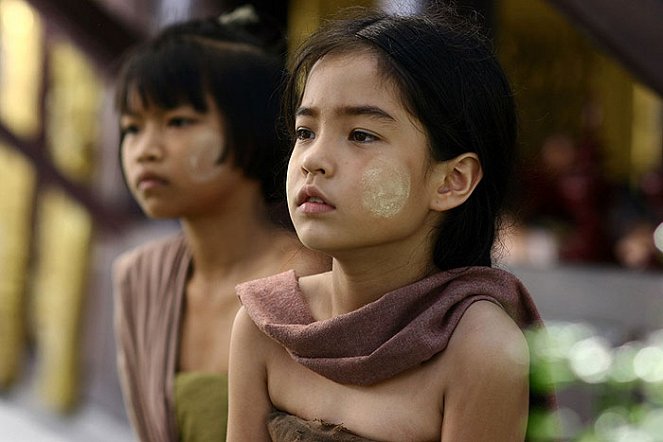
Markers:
454,181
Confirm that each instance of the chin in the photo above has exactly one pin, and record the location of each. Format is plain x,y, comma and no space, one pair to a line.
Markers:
313,242
325,245
159,212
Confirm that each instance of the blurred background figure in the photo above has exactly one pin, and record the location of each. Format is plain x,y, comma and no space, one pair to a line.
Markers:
635,218
198,111
569,210
565,194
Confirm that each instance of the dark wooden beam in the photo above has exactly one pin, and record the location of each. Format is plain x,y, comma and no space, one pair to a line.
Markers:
100,34
629,30
35,151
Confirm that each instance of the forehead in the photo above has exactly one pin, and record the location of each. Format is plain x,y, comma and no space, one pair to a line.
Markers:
350,79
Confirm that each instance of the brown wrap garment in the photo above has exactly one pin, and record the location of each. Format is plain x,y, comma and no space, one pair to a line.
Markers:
149,285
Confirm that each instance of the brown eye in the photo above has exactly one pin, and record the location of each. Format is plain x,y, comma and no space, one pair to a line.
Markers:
304,134
180,122
129,129
361,136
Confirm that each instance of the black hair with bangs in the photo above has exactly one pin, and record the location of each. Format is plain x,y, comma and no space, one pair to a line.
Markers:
242,73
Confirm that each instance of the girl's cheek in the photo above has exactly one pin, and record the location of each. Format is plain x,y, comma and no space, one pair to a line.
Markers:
204,152
291,177
385,189
126,167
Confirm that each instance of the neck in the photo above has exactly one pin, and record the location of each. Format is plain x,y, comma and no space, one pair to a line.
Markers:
223,242
360,280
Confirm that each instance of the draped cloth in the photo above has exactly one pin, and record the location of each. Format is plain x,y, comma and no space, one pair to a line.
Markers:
149,285
399,331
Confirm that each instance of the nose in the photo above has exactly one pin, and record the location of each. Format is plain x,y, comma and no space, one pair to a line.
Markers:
317,160
148,145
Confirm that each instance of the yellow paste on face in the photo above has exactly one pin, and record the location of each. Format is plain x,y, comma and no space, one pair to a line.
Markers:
385,189
204,153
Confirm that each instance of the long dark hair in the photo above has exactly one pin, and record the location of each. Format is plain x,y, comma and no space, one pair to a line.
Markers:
450,80
241,71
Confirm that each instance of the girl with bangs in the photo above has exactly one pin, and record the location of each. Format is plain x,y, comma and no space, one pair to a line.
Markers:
198,107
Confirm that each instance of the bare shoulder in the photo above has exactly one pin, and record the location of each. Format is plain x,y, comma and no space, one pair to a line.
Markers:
489,342
247,338
245,330
489,377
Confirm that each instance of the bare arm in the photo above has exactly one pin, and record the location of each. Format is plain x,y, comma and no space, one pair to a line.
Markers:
248,397
488,394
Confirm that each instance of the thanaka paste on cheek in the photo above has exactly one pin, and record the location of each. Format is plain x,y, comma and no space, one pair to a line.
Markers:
204,153
385,189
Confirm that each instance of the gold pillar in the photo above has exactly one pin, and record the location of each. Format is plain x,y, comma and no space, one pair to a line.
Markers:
549,65
20,68
64,228
613,91
16,192
647,134
64,234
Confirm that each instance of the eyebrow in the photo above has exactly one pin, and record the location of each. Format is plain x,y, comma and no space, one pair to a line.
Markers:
369,111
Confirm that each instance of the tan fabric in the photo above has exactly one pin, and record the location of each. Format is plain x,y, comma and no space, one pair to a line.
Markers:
201,406
149,284
285,427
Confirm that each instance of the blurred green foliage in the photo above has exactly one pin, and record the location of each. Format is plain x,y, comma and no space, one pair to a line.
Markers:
609,392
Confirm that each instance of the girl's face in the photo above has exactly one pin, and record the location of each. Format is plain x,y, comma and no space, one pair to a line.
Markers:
358,174
170,159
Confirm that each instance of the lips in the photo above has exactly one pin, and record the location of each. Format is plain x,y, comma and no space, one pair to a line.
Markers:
311,194
150,180
311,200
